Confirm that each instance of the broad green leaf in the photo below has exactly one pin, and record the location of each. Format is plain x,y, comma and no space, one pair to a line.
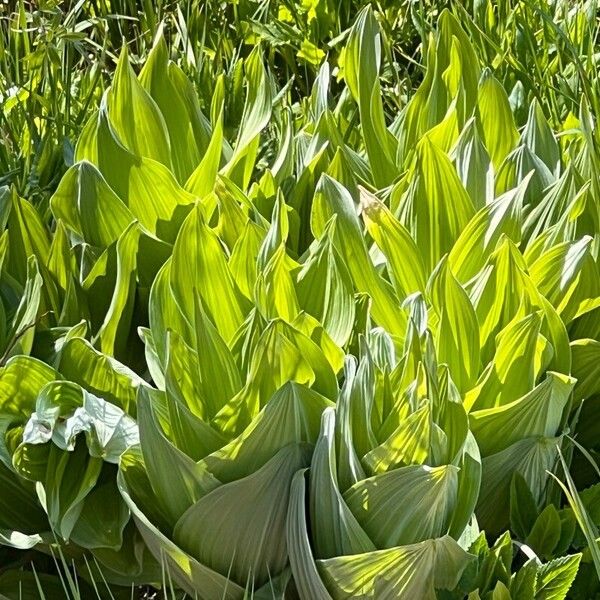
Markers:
204,176
219,377
155,369
428,499
436,208
555,578
70,477
275,292
349,468
333,199
199,266
408,445
473,165
482,233
404,260
176,479
257,112
182,376
103,519
555,204
523,509
165,314
361,71
586,362
22,328
335,530
242,261
364,403
193,436
200,124
282,353
454,45
500,134
324,288
89,207
511,373
190,574
234,209
99,373
21,380
538,413
445,133
132,562
284,163
545,533
27,236
313,329
304,568
516,166
112,336
282,343
135,116
146,187
413,571
539,137
568,276
523,582
61,262
457,334
278,231
533,458
507,269
245,541
22,515
292,415
452,72
469,487
156,77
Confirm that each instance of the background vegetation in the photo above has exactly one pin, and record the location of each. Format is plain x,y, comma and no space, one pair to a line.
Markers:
245,239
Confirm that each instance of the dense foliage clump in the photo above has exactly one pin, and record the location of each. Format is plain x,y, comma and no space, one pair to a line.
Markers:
285,313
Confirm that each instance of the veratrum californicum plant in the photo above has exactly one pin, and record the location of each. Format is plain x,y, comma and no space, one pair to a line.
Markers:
363,358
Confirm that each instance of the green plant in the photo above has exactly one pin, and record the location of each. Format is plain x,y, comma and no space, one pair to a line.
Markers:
299,349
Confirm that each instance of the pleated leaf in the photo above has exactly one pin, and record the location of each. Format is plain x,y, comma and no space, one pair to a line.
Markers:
406,505
538,413
244,541
406,572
